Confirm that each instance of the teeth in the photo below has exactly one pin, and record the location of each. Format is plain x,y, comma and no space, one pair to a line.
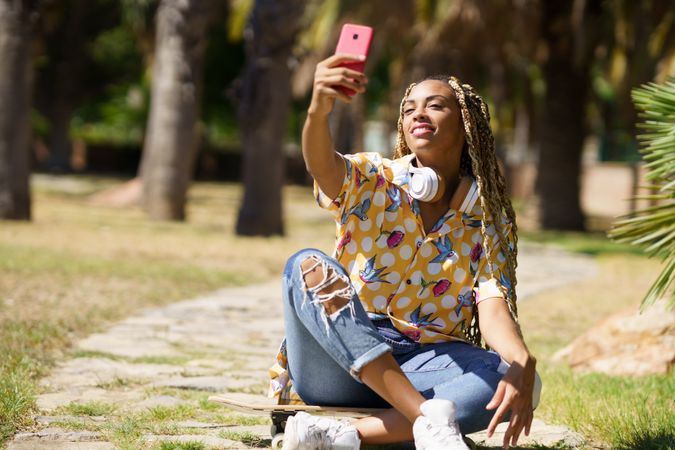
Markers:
422,129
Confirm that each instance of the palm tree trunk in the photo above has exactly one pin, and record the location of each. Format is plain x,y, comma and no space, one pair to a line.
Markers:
263,113
173,136
15,99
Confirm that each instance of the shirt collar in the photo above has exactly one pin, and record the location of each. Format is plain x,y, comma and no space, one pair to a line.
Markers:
400,176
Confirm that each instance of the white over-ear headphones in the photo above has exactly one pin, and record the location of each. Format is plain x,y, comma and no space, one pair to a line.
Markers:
425,184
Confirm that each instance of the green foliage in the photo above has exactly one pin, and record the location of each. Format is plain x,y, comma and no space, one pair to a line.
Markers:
16,398
246,437
599,405
172,445
118,119
653,228
90,409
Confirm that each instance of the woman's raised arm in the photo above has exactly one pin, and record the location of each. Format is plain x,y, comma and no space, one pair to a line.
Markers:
323,163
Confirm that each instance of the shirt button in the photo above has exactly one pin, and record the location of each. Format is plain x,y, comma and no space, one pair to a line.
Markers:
408,281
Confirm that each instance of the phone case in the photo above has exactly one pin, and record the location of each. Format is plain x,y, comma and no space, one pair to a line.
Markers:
354,39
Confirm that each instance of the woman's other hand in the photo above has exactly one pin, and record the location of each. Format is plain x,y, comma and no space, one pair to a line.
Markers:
328,75
514,393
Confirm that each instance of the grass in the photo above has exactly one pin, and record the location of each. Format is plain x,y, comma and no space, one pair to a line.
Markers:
89,409
78,267
246,437
171,445
614,411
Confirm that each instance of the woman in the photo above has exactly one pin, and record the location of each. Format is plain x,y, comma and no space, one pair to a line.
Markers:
418,277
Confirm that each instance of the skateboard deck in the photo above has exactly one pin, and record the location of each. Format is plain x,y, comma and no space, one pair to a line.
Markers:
261,407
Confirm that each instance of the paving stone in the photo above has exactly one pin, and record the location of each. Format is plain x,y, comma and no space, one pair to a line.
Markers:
46,420
58,434
209,384
540,434
98,371
128,346
166,401
59,445
210,363
51,401
197,424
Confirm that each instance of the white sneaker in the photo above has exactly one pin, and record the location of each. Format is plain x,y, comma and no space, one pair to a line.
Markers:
307,432
436,428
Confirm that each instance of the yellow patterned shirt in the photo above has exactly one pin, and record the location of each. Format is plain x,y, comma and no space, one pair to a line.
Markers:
427,284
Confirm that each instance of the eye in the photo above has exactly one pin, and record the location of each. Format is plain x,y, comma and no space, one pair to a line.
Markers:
408,111
436,106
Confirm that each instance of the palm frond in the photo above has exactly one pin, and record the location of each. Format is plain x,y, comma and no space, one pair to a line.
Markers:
653,228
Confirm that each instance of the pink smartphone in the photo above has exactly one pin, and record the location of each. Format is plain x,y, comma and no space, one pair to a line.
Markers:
355,40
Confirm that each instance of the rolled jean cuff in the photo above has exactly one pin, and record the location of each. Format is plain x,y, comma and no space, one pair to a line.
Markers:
368,357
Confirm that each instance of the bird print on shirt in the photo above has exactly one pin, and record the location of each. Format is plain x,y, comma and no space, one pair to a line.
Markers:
359,211
417,320
370,274
465,299
395,196
445,251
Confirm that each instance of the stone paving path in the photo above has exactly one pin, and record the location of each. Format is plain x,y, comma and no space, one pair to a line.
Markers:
145,380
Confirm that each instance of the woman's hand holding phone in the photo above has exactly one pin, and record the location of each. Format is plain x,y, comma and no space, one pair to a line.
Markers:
330,76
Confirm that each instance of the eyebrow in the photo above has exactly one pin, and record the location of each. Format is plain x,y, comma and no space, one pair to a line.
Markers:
429,98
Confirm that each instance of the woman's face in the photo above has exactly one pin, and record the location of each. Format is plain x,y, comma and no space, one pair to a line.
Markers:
432,125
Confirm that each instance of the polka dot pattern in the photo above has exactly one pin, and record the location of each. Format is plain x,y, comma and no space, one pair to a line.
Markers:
407,272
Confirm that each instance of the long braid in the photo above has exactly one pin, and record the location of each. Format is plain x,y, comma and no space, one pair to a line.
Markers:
494,201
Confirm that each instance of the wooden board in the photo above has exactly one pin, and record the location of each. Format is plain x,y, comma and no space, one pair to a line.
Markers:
268,408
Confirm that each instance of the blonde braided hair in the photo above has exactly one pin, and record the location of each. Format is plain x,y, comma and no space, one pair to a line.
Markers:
479,160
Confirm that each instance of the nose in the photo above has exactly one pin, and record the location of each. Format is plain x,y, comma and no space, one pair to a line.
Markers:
419,114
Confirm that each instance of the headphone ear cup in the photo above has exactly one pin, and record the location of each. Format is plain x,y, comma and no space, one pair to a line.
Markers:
425,184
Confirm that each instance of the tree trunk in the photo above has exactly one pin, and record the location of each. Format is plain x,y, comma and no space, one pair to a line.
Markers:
173,136
15,99
68,70
557,188
263,113
346,126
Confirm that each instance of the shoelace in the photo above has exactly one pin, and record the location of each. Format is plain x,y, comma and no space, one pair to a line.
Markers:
317,438
451,432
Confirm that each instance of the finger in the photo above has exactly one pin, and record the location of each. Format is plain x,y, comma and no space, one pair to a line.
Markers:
496,419
528,422
348,83
509,430
518,428
334,91
498,397
334,75
340,58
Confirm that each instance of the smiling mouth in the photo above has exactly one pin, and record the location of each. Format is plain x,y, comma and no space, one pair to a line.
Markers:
422,130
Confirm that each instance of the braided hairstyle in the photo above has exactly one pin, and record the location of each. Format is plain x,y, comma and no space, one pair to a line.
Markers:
479,160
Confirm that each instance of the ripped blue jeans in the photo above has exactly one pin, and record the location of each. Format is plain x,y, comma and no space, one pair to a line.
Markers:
326,352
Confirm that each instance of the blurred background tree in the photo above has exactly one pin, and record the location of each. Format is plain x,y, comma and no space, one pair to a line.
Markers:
264,102
557,76
173,131
16,76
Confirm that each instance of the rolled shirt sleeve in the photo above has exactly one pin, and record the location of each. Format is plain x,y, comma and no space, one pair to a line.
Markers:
492,279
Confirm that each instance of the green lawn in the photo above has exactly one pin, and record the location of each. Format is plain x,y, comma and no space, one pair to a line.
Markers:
78,267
